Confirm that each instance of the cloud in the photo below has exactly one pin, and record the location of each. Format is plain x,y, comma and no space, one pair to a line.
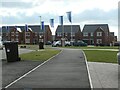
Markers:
18,5
83,11
88,16
59,7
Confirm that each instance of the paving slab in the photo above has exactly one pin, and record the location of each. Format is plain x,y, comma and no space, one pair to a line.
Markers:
104,75
21,51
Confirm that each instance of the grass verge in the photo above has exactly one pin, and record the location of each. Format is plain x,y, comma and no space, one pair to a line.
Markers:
41,55
34,47
101,56
92,47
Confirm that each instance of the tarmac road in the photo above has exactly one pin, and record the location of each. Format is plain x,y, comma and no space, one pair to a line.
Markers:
67,70
11,71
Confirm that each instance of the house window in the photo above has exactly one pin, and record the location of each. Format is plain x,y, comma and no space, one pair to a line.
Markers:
27,40
99,33
73,39
73,34
91,34
12,34
12,39
107,34
16,39
41,34
99,41
65,34
16,32
85,34
27,34
59,34
35,33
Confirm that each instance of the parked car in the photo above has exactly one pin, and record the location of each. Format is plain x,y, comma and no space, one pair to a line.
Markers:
58,43
49,43
116,43
79,43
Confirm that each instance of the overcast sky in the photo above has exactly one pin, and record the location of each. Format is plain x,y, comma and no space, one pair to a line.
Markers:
20,12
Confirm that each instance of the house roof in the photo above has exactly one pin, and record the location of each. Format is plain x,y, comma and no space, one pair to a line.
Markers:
67,28
19,30
34,28
4,28
90,28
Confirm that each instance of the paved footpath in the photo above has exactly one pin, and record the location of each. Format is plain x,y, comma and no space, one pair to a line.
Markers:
66,70
104,75
21,51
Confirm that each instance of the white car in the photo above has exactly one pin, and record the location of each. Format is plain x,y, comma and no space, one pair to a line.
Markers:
58,43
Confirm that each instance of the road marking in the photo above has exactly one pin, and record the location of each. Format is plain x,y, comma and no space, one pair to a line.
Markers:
32,70
91,85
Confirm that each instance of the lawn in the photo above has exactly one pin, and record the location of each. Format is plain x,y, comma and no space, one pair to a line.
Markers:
92,47
101,56
34,47
40,55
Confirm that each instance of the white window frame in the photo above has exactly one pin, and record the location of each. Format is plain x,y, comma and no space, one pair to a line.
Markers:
40,33
12,39
36,34
99,33
12,32
17,39
12,35
85,34
73,34
59,34
91,34
99,41
16,32
66,34
27,40
27,33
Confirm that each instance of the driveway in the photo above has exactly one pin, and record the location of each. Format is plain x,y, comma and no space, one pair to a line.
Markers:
66,70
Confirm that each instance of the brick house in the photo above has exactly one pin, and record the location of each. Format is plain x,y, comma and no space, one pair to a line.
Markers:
4,33
94,34
12,34
76,32
15,34
32,36
113,38
28,36
39,34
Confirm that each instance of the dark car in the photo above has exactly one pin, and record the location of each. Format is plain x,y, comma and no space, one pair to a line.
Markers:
79,43
116,43
49,43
